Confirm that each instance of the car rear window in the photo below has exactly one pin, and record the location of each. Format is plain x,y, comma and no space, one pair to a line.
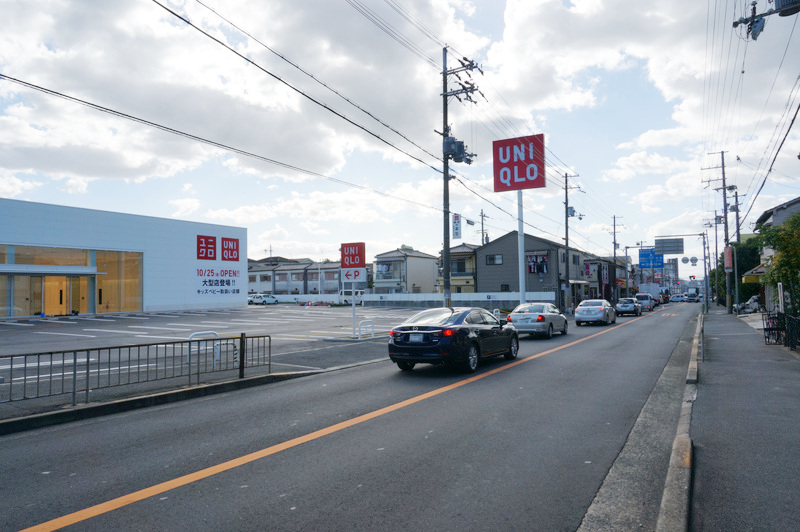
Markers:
642,298
436,316
627,301
530,309
591,304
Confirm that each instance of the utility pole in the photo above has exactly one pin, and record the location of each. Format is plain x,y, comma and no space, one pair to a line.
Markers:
484,236
451,148
614,288
568,212
728,275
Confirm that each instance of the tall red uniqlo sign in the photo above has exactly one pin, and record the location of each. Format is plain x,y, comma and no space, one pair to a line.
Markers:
518,163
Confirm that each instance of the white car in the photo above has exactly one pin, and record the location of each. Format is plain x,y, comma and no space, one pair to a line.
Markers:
539,319
595,310
677,297
262,299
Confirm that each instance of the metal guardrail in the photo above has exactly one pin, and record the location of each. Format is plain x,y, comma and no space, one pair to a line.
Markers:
78,372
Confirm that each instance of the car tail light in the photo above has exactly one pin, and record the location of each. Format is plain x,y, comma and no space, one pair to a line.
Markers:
448,332
540,318
508,319
395,334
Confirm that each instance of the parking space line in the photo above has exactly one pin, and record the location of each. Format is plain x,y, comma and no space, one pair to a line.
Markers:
158,328
65,334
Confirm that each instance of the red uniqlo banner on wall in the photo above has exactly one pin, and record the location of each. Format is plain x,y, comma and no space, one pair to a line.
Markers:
206,247
230,249
518,163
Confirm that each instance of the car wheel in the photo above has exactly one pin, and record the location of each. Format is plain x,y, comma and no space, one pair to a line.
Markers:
564,330
513,349
471,364
549,333
577,324
405,365
606,321
264,303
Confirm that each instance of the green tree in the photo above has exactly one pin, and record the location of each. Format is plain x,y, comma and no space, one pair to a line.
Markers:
784,265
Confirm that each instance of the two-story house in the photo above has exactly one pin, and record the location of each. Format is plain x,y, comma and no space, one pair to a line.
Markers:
404,271
463,272
546,271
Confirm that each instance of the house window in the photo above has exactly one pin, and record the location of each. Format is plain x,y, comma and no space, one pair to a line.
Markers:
297,277
494,259
505,288
266,278
251,278
313,276
331,276
280,277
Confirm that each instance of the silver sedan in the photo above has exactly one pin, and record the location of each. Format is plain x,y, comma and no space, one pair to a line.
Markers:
538,318
595,311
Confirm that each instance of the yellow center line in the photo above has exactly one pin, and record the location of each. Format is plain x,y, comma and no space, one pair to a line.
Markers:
124,500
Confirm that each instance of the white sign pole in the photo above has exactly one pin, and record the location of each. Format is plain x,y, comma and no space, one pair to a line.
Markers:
521,248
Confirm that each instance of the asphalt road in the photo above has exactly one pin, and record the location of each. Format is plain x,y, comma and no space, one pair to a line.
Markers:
522,445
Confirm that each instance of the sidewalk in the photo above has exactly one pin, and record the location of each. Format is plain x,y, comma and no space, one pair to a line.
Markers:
745,428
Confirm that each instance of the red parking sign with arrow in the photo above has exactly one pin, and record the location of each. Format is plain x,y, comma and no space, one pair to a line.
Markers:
354,264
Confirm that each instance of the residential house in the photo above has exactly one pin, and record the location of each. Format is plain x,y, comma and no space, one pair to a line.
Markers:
770,218
546,272
463,271
404,271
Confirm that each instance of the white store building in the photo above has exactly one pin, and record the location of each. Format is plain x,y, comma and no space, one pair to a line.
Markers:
57,261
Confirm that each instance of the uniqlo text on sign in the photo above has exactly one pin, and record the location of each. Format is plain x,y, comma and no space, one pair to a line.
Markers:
230,249
518,163
354,255
206,247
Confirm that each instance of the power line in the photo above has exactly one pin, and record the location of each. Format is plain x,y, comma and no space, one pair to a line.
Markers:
317,80
216,144
295,89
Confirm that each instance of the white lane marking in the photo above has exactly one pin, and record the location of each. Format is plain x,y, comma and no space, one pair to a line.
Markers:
66,334
109,331
157,328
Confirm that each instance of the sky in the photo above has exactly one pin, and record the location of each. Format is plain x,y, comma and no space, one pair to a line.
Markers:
314,123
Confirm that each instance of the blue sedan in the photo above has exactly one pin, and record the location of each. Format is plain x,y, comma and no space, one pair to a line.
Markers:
451,336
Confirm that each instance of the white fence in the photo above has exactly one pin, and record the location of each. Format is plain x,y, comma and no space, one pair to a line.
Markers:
488,300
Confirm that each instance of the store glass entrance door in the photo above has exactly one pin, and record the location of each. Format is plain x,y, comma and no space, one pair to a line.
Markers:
56,295
65,295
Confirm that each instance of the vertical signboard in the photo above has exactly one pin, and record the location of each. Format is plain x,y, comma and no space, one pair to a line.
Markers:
354,264
728,258
456,226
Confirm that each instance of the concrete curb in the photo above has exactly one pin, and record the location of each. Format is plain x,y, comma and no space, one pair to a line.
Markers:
675,502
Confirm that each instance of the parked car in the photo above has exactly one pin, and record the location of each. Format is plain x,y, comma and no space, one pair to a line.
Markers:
595,311
628,305
459,336
263,299
677,298
646,300
538,319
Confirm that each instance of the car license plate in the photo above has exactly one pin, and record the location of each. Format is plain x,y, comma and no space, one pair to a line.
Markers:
415,338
